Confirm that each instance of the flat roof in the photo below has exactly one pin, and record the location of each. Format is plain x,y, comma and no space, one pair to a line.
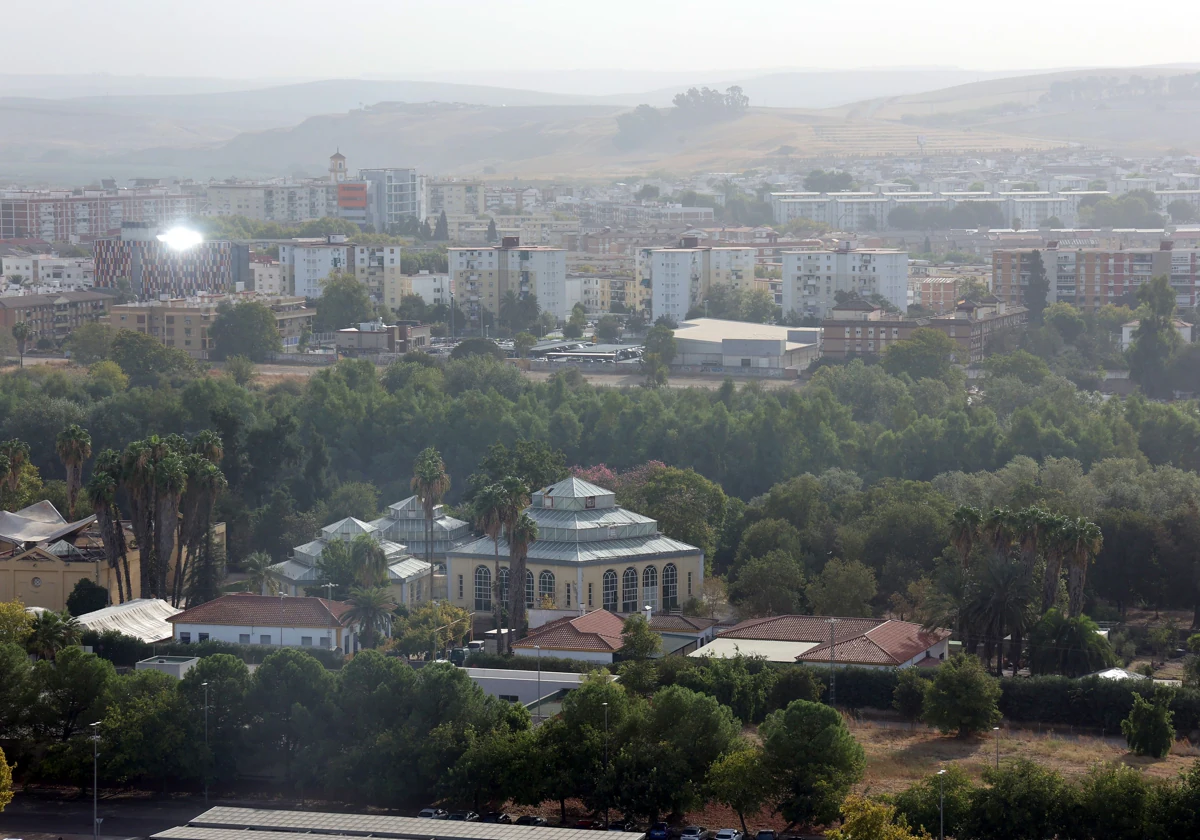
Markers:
772,651
225,823
716,330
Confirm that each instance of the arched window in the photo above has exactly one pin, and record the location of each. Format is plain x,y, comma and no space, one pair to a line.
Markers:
546,588
650,587
504,585
670,584
483,589
528,588
629,590
609,590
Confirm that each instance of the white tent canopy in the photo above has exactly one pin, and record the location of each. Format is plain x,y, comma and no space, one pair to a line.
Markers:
143,618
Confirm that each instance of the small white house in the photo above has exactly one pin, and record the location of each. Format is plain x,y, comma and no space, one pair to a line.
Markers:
1184,329
245,619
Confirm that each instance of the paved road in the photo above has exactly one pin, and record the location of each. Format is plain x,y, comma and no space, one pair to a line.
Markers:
36,817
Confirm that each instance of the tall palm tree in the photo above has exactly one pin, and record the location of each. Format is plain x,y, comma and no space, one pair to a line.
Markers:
1031,524
489,510
74,446
1071,647
521,535
950,603
1000,607
137,477
1083,540
1001,527
1054,539
51,632
170,478
204,483
369,560
21,333
207,443
431,483
964,530
516,499
510,311
17,453
259,579
101,493
371,609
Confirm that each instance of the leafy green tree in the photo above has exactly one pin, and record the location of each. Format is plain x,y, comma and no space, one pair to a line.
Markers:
934,799
359,499
147,730
863,819
1155,339
73,689
909,696
1148,729
926,353
813,761
344,302
739,780
844,587
476,347
608,329
144,358
962,697
1068,646
1024,366
1181,211
523,342
241,369
1035,293
658,354
638,641
248,329
5,782
688,506
86,597
770,585
227,693
441,231
90,343
292,693
1117,802
1020,800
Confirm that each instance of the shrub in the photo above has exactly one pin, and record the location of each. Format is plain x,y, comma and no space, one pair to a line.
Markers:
86,597
962,697
909,697
528,663
1148,729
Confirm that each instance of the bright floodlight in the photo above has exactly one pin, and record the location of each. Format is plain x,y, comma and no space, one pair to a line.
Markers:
180,238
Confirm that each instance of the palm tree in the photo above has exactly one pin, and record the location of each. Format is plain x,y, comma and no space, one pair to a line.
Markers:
51,632
17,453
489,509
259,579
1000,607
137,477
1082,542
371,609
950,603
208,444
203,484
101,493
1001,526
516,499
170,478
522,534
74,446
21,333
964,530
1068,646
1030,528
431,483
510,310
369,561
1054,540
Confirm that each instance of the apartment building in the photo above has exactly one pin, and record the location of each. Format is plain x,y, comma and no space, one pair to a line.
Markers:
66,216
307,263
482,277
681,278
937,294
812,279
454,198
392,194
267,276
375,265
284,203
47,270
53,316
183,322
153,269
434,289
1089,278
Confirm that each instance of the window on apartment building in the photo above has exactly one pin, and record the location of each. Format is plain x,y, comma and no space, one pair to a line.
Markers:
460,587
243,638
186,638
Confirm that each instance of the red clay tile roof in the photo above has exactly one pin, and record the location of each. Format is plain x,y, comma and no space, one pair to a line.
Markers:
680,623
265,611
598,630
858,641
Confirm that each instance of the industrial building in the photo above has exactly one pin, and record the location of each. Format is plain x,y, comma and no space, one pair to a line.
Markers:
740,346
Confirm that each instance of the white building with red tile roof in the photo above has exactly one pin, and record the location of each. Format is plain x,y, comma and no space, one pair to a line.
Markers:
279,620
592,637
816,639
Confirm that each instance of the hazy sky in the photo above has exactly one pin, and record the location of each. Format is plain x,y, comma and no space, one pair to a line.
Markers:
398,38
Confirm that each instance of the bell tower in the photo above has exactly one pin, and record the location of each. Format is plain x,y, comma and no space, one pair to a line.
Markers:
337,167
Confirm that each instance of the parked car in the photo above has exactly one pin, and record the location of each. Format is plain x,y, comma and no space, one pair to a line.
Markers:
659,831
465,816
434,814
531,819
729,834
495,817
695,832
587,823
765,834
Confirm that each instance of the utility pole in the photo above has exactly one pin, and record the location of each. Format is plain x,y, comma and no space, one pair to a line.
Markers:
95,778
832,661
605,763
207,758
941,774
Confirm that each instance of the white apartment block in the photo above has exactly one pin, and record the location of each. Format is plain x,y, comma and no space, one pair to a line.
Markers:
392,194
268,277
681,278
62,273
454,198
374,265
308,263
482,277
271,202
811,279
434,289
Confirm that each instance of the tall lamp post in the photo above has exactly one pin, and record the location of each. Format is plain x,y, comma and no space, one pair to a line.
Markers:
605,705
538,648
95,778
996,729
832,661
941,805
207,756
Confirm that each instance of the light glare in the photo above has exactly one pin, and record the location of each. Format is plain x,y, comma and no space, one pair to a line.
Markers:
180,238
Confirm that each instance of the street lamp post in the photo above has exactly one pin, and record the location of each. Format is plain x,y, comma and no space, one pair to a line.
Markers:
832,661
95,778
538,648
941,805
996,729
207,758
605,763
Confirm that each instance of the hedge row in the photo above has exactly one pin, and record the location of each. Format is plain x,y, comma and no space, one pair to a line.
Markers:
529,663
127,651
